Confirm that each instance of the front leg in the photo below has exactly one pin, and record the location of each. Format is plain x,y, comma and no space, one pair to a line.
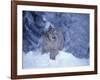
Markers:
53,54
44,50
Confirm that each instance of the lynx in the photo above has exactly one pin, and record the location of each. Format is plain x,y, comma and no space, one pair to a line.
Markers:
53,41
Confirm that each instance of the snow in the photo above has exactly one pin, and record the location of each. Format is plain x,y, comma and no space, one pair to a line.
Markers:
34,59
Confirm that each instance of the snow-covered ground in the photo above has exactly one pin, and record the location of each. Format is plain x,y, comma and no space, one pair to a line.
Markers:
37,60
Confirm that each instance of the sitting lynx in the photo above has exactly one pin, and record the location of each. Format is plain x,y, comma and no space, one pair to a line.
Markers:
53,41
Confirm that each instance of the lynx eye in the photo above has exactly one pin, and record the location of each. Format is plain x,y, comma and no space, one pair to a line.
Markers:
54,37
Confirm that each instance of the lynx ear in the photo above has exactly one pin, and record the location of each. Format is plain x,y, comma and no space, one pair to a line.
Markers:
50,27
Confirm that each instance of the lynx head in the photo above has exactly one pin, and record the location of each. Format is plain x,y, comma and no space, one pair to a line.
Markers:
52,34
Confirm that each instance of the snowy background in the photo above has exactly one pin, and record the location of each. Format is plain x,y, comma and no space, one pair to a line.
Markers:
75,27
